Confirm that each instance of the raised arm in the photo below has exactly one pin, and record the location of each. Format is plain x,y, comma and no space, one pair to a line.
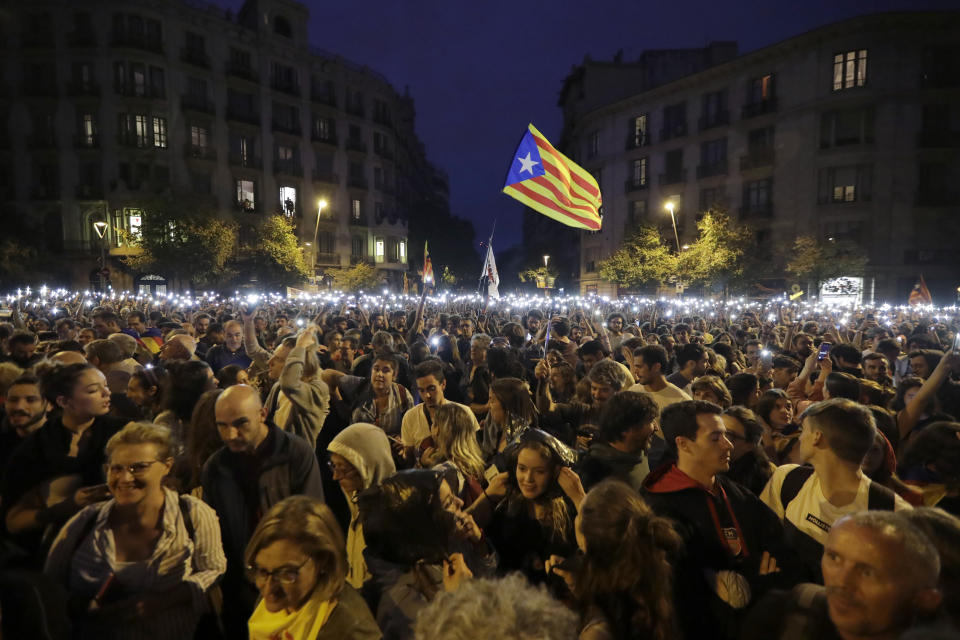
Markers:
908,418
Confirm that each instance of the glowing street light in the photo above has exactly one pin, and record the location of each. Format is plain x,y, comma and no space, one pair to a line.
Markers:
321,205
669,207
101,228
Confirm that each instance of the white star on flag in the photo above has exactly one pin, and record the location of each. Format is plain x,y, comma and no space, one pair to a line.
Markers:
527,163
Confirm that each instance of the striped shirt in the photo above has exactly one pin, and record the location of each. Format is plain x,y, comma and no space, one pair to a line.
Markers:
83,566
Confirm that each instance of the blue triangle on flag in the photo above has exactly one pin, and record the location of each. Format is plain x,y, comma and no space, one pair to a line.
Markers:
526,161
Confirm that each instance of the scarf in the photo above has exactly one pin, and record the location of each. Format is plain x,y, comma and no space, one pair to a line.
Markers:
303,624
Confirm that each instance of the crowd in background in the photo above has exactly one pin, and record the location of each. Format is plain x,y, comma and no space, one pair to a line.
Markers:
390,466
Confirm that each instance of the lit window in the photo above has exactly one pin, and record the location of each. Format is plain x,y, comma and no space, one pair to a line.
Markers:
355,210
198,136
849,69
160,133
245,195
135,222
403,251
379,249
288,200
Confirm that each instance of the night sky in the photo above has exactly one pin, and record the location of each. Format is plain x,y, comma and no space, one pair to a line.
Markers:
480,71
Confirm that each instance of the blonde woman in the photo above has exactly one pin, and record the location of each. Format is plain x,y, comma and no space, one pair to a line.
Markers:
297,559
454,435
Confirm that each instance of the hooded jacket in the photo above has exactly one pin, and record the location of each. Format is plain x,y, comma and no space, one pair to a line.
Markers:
724,529
366,447
603,461
309,400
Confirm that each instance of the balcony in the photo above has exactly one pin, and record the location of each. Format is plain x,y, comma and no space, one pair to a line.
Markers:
673,177
717,119
323,97
243,72
288,168
86,141
133,141
759,210
132,41
200,153
355,144
239,114
636,184
712,169
88,192
327,259
754,109
635,141
81,89
196,57
246,160
358,182
144,92
82,38
938,139
329,138
757,158
319,175
197,104
676,130
45,192
290,128
285,86
383,152
359,259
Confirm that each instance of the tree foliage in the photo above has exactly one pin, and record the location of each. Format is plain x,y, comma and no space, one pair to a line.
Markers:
275,257
718,253
815,261
183,238
357,277
643,258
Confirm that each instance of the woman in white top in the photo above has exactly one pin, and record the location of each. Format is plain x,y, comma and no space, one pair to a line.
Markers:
139,565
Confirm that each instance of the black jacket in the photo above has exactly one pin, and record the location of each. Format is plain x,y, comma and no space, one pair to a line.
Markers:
602,461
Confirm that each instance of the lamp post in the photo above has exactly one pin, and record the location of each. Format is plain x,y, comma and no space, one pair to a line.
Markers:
101,228
546,261
670,206
321,205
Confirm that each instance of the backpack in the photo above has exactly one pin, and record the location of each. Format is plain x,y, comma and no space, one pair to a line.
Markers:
879,497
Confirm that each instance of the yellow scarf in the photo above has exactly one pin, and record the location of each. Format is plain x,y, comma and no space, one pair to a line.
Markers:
303,624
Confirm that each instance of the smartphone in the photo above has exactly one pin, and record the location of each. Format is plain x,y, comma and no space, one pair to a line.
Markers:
824,350
766,357
956,343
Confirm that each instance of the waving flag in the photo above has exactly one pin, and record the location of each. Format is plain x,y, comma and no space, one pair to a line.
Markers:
427,265
920,293
549,182
490,273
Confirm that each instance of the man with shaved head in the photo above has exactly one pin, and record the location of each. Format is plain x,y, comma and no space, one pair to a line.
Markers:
179,347
258,466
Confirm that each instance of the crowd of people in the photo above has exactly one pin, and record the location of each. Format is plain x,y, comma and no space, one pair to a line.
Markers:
399,467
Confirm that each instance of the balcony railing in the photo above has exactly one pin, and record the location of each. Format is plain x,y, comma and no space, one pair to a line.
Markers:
288,167
133,140
716,119
200,153
88,192
329,138
635,142
757,158
240,71
76,89
328,259
753,109
675,130
291,128
329,177
86,141
200,104
635,184
145,92
712,169
355,144
243,115
673,177
358,221
357,181
323,97
938,139
285,86
382,119
196,57
130,41
247,161
764,210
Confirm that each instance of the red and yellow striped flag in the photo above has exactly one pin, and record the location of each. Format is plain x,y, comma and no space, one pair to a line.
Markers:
549,182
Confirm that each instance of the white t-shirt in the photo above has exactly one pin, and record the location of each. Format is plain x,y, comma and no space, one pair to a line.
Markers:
415,427
810,511
667,396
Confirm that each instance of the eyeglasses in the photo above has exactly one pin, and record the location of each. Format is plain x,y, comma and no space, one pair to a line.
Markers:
343,472
284,575
135,468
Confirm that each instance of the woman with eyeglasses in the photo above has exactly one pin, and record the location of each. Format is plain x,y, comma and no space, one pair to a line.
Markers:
297,559
749,464
141,564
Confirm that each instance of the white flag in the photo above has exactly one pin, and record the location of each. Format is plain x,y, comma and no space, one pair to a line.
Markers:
490,271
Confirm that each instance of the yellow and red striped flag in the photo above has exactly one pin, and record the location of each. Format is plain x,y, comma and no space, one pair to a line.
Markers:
427,265
551,183
920,294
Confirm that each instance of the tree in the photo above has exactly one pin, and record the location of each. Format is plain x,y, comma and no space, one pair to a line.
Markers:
718,253
274,258
643,258
358,277
538,275
816,262
183,238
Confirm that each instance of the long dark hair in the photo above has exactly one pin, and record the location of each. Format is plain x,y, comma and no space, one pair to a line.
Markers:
626,570
514,395
185,382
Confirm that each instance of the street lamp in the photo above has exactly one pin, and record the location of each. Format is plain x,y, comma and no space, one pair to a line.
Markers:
670,206
546,260
321,205
101,228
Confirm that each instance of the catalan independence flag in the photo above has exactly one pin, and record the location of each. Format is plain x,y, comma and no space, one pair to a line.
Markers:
920,294
549,182
427,265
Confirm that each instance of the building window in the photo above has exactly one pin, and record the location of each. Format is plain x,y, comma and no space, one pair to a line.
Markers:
760,89
637,212
281,27
713,154
674,121
240,59
714,109
288,200
638,131
133,130
638,173
199,136
757,196
393,250
849,69
839,185
847,127
88,130
379,251
246,195
356,212
322,128
590,257
593,144
358,247
402,248
160,132
377,177
713,198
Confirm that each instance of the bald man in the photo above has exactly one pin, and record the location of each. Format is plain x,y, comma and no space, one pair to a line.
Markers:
258,466
179,347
